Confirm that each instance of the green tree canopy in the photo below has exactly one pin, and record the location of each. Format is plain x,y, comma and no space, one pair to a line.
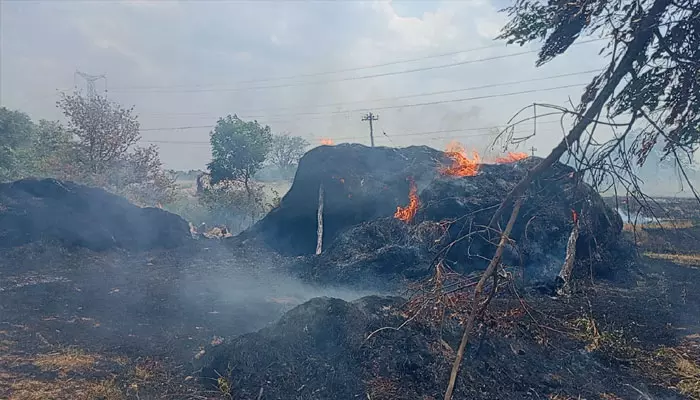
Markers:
239,149
16,132
30,149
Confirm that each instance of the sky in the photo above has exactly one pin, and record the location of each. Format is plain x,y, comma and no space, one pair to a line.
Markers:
311,69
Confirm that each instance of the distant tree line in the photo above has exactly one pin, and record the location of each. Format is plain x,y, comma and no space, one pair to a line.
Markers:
98,145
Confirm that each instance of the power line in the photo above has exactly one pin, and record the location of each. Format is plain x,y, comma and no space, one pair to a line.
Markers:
395,106
424,133
492,85
163,89
337,71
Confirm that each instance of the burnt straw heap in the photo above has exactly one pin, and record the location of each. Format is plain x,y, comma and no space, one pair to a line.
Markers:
388,212
33,210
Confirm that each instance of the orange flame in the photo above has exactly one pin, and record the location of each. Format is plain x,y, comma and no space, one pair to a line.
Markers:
462,165
511,158
327,142
407,213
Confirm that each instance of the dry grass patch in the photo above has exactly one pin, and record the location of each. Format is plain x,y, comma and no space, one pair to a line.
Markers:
609,396
692,260
665,224
678,370
5,345
65,361
31,389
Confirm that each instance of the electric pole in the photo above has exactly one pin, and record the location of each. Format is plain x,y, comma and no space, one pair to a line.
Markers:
532,150
90,80
370,117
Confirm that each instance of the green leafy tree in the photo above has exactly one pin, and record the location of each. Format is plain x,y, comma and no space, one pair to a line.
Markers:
31,149
286,151
16,132
239,149
52,149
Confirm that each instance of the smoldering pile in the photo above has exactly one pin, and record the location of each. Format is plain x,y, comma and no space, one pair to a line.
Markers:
387,213
35,210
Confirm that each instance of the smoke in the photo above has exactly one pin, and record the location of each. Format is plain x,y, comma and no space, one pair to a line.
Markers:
255,292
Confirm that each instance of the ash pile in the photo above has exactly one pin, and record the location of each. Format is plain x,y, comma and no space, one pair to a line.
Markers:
387,213
49,210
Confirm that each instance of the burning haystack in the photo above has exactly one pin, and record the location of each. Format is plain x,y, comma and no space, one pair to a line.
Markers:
386,213
359,184
33,210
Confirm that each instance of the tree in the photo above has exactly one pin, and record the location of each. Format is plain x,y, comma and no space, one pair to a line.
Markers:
16,132
286,152
651,80
30,149
139,175
52,148
654,51
105,154
104,131
239,149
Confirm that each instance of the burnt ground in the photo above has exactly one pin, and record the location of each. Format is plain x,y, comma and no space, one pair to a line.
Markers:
127,325
74,324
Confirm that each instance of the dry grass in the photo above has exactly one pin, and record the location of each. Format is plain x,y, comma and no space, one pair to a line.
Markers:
587,331
562,397
667,224
609,396
382,388
31,389
65,361
692,260
679,370
5,345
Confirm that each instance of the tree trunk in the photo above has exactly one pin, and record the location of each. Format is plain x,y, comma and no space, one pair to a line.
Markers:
476,311
636,47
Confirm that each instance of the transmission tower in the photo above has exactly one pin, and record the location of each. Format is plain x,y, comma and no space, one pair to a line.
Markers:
90,81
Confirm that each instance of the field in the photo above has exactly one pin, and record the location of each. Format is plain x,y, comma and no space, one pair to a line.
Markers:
116,325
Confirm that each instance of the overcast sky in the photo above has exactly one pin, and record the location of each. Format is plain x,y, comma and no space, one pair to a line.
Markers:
184,64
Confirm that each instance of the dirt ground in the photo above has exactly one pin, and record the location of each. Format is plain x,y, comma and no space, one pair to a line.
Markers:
117,325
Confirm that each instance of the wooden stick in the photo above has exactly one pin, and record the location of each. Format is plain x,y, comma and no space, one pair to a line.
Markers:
568,267
319,216
477,311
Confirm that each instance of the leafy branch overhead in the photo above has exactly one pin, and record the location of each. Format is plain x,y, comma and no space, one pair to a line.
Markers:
661,93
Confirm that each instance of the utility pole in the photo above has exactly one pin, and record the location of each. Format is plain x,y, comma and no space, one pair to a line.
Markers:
90,80
532,150
370,117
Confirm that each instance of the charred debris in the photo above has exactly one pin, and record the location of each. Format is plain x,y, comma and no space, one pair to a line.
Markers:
413,222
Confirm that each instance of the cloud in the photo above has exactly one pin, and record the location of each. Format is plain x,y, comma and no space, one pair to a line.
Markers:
181,64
